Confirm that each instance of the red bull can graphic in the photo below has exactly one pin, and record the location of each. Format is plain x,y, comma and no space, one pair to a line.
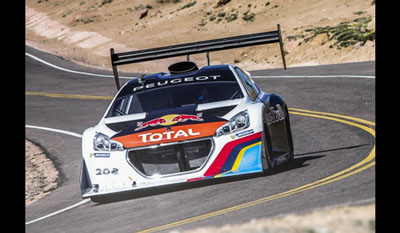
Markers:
168,120
185,117
152,123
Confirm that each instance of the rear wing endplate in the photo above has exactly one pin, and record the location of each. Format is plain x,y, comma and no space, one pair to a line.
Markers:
195,48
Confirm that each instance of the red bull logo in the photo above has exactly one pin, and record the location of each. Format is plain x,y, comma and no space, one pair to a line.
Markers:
168,120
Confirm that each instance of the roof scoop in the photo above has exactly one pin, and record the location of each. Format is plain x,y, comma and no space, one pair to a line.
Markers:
182,67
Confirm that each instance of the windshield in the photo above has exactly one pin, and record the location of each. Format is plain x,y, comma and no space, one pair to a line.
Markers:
175,96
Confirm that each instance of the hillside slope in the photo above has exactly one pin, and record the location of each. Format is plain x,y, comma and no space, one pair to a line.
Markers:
314,31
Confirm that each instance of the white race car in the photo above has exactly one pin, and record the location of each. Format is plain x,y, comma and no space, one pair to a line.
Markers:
186,125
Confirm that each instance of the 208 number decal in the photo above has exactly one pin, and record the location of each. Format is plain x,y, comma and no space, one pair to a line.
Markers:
106,171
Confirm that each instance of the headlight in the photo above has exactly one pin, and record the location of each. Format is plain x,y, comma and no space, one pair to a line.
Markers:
102,142
239,122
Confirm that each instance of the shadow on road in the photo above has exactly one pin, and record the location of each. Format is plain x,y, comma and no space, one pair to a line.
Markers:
300,159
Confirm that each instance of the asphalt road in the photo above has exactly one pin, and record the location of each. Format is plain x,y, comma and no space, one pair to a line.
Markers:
334,156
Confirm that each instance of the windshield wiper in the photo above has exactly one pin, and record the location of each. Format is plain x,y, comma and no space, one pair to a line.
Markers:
234,96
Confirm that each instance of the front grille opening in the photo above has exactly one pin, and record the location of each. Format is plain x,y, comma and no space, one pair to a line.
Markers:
171,159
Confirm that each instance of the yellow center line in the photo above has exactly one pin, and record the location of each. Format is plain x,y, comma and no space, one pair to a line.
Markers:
69,96
356,168
252,203
335,115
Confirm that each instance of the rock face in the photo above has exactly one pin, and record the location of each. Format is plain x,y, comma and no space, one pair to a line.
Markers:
40,174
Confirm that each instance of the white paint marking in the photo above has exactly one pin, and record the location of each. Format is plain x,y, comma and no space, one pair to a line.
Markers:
73,71
55,130
262,77
69,207
314,76
59,211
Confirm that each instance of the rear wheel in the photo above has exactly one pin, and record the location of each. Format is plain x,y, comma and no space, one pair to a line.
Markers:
289,136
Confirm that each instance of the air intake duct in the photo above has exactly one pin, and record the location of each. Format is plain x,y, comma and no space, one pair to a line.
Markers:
183,67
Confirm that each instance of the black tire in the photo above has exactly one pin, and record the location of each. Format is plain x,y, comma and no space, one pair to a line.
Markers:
266,151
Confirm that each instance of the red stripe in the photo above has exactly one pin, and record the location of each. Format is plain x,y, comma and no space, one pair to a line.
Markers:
223,155
194,179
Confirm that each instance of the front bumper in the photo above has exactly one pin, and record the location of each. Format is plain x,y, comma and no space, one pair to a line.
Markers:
173,163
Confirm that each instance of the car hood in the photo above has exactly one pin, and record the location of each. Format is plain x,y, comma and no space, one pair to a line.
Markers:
171,125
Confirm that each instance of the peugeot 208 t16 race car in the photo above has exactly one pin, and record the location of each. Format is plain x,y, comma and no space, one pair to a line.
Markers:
165,129
186,125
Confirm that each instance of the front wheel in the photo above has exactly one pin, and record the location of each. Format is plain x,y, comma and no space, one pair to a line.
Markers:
266,151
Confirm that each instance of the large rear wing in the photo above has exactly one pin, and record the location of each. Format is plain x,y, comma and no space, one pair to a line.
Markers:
195,48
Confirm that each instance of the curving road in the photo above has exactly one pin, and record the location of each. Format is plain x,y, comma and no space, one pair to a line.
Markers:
332,115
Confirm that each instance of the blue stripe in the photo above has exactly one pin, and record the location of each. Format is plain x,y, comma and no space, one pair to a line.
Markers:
234,153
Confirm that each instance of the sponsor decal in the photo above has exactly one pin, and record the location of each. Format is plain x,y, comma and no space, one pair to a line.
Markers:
176,81
100,155
169,120
164,135
244,133
155,137
106,171
276,115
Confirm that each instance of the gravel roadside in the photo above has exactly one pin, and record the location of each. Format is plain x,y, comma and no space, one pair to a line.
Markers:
40,173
